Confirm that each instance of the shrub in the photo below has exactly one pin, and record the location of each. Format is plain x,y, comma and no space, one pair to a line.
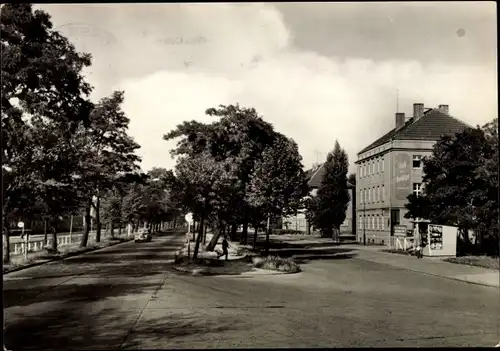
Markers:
288,231
277,263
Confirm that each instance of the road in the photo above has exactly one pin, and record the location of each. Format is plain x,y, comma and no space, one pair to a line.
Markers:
127,296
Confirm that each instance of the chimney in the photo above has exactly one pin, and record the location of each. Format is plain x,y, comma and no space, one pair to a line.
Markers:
400,119
443,108
418,111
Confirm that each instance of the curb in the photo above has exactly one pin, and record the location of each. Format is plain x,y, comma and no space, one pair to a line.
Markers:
73,254
241,275
431,274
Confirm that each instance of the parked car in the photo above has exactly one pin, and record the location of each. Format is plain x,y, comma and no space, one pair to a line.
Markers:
142,235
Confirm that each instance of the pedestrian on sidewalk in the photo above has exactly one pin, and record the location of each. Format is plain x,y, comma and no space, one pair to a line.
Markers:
418,245
225,245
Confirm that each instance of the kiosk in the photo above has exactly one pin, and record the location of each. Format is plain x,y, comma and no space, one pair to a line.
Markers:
437,240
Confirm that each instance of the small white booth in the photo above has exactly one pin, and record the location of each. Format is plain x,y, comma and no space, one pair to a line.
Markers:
437,240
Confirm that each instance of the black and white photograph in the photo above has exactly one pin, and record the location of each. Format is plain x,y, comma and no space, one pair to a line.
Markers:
249,175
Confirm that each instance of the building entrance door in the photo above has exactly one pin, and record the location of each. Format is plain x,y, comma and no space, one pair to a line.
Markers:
394,220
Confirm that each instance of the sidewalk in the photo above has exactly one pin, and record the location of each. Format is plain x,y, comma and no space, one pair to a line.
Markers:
428,265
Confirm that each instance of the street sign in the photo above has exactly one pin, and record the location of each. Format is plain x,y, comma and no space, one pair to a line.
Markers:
399,230
20,225
189,217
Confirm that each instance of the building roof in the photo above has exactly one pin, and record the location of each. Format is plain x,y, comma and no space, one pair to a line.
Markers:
431,126
315,175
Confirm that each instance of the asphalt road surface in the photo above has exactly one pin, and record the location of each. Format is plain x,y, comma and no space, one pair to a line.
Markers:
127,296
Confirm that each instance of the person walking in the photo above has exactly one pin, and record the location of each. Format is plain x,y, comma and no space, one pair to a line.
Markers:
225,246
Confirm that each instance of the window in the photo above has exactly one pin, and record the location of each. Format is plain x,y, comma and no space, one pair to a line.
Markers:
383,193
417,189
382,164
417,161
360,222
369,195
376,222
378,194
382,222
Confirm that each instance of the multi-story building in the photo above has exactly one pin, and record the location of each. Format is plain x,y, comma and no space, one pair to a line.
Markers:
299,221
390,169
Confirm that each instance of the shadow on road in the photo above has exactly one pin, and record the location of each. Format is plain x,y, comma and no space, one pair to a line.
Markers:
157,333
305,251
71,326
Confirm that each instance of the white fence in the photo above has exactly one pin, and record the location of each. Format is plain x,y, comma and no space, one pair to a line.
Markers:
36,242
402,242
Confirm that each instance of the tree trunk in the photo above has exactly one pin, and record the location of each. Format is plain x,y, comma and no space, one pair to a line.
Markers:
86,230
336,234
234,228
45,233
268,230
198,239
244,234
6,242
119,228
54,235
255,232
205,235
308,228
98,220
111,228
215,238
193,228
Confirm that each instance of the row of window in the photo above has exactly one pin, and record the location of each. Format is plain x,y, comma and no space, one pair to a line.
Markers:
376,166
375,222
377,194
373,195
370,167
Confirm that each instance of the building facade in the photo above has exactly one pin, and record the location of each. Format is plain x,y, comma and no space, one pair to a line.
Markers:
299,222
390,169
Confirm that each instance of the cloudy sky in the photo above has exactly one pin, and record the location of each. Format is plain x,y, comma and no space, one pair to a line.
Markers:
318,72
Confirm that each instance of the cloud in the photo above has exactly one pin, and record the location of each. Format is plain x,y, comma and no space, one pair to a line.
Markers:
248,56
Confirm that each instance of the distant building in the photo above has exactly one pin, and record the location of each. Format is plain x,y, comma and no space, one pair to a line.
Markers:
390,169
299,221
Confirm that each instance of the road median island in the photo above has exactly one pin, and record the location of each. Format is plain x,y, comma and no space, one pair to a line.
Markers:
240,260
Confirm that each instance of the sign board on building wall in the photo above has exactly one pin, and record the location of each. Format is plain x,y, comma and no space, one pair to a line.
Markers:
402,175
399,230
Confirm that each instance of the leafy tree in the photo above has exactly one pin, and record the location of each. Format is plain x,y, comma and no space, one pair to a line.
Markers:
204,180
41,75
333,196
53,166
239,136
278,183
106,150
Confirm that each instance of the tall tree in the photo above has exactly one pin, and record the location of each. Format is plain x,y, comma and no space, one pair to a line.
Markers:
240,136
41,75
278,183
106,150
333,195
